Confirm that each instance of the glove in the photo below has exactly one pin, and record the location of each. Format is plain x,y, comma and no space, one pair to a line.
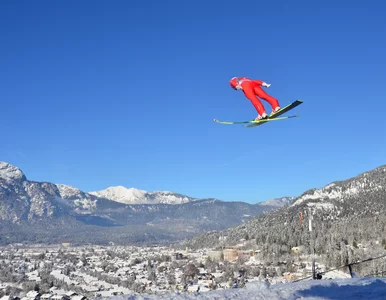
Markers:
266,84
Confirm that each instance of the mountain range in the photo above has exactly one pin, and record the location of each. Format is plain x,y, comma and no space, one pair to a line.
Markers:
47,212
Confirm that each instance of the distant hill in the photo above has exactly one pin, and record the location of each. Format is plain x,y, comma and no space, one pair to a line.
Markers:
348,222
134,196
278,202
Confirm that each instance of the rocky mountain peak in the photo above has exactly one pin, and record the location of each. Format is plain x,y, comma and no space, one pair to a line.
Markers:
10,172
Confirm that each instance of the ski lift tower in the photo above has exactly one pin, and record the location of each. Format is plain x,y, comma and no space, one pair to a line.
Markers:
312,242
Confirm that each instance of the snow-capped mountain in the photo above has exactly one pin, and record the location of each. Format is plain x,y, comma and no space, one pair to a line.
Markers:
134,196
21,199
278,202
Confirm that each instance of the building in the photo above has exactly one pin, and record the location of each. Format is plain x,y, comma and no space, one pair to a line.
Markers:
215,255
230,255
33,295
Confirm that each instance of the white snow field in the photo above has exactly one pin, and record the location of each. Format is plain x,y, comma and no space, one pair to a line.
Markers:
351,289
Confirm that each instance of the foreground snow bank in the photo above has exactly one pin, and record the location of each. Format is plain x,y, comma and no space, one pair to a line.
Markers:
353,289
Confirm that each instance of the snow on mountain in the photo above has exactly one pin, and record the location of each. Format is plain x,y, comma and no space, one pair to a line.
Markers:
121,194
9,172
79,199
340,191
67,191
279,202
134,196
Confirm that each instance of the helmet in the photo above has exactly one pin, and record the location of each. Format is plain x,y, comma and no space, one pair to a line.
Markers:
234,82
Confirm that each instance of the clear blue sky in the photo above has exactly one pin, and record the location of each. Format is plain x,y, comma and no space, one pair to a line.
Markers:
104,93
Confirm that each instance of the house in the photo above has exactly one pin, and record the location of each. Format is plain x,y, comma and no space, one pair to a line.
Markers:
230,255
79,297
90,288
70,294
7,297
33,295
60,297
215,255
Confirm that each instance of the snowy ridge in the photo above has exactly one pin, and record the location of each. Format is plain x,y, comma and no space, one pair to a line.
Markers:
326,206
339,191
135,196
67,191
9,172
79,199
279,202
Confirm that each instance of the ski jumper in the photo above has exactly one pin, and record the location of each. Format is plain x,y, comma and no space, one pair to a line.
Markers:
251,89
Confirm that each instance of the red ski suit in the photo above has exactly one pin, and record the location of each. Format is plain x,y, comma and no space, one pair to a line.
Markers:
251,89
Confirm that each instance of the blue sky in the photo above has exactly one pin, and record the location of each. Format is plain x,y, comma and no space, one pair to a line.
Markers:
104,93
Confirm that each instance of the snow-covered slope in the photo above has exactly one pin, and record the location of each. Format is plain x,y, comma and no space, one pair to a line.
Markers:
79,199
353,289
135,196
339,193
278,202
